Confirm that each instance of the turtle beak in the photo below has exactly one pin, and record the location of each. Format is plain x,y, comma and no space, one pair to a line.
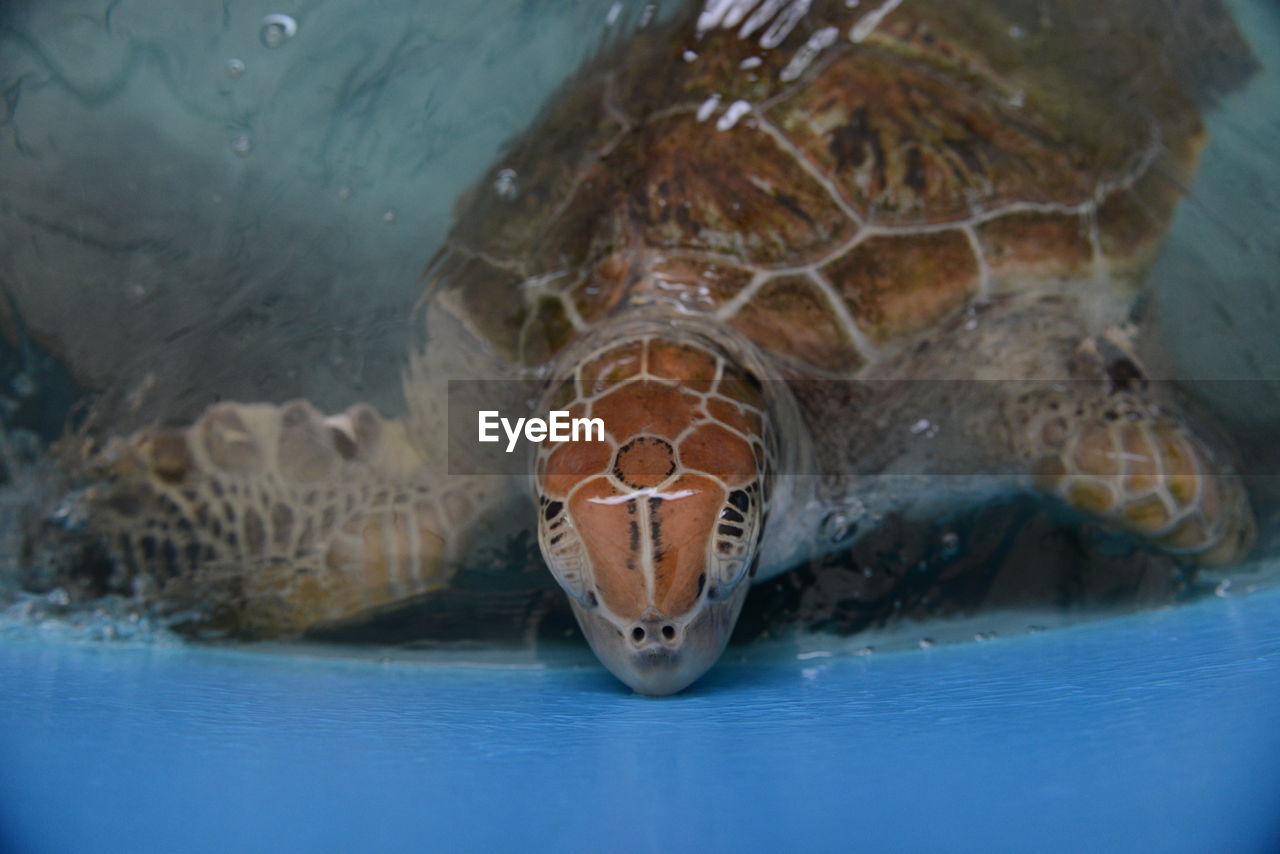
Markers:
658,655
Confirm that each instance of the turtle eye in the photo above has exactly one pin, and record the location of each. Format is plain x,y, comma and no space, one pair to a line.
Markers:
563,549
737,532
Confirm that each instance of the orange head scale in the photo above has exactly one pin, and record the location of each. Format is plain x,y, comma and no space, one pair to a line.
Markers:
654,530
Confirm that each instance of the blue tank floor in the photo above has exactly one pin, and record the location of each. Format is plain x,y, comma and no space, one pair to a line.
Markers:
1154,732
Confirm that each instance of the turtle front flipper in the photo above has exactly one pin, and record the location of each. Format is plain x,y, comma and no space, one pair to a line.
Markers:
266,521
1126,456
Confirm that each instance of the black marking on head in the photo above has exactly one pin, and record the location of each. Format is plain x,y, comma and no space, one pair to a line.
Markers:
729,531
739,499
592,599
655,525
643,440
702,581
731,515
552,510
633,535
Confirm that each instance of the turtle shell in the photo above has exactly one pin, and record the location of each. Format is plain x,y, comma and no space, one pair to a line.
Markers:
835,181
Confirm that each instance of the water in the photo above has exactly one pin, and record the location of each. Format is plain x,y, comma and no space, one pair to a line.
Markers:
235,201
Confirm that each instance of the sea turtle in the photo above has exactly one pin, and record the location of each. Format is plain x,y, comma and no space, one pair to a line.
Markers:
810,263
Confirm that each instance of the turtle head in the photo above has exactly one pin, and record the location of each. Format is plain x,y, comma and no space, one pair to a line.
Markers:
652,524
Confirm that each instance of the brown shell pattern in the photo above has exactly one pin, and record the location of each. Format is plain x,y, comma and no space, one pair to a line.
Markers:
829,184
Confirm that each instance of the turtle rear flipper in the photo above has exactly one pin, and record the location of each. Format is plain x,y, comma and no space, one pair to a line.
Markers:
1116,445
265,520
1136,463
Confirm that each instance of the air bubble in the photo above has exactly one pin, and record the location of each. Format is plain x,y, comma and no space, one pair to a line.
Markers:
389,217
950,544
277,29
235,68
506,184
924,427
837,527
241,145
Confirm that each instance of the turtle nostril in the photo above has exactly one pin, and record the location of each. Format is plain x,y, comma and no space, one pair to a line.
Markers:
637,634
669,632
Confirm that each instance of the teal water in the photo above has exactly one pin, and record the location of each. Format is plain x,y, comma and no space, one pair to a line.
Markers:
262,229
